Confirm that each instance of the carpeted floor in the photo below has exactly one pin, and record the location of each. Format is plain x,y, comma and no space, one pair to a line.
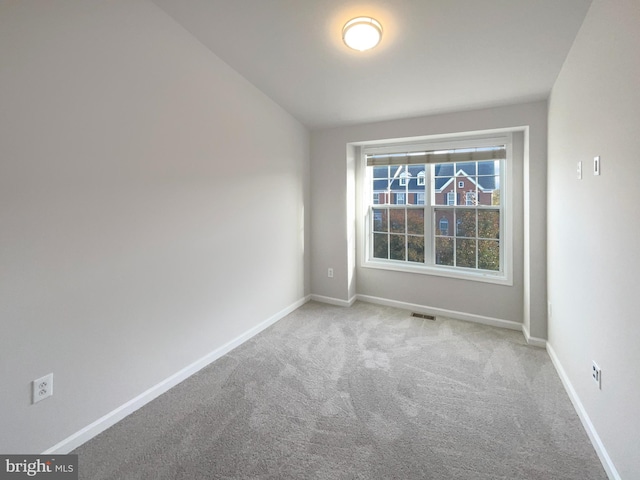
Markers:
366,392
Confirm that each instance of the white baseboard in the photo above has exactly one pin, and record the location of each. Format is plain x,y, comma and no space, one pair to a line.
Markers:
606,461
495,322
113,417
534,341
334,301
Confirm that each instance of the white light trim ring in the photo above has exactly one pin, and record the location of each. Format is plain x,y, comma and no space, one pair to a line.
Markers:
362,33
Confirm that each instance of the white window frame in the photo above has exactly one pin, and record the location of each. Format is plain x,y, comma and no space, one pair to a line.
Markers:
469,198
451,198
420,198
421,176
401,195
502,277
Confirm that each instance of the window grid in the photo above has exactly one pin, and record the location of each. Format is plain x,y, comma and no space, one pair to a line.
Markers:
463,242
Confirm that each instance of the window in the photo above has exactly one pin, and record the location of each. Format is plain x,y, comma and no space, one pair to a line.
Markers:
419,237
376,198
444,226
470,198
403,178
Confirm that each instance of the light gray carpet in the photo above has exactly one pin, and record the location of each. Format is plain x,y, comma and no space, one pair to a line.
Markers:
366,392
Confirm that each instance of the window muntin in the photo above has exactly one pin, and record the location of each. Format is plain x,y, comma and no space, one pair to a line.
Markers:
475,243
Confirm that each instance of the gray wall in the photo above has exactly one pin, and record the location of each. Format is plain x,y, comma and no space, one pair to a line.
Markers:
333,218
153,207
594,225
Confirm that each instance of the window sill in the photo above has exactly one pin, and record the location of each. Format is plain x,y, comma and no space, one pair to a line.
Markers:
497,278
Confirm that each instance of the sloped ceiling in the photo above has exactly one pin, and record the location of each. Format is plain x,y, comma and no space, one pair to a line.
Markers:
435,56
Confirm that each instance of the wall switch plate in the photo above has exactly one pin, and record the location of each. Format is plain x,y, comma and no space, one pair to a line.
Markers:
596,165
330,273
42,388
579,170
596,374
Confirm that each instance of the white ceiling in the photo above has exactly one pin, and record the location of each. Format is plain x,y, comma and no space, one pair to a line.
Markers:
435,56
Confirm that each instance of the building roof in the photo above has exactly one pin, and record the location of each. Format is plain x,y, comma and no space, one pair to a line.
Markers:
485,173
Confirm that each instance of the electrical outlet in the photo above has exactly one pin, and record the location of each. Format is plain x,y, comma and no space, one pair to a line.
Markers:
42,388
330,273
596,374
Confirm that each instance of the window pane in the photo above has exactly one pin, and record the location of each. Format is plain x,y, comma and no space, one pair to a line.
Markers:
380,219
394,175
470,198
443,218
489,255
397,250
397,216
488,224
495,197
415,221
443,188
465,253
444,251
380,185
380,245
380,172
443,169
467,167
415,249
465,222
488,167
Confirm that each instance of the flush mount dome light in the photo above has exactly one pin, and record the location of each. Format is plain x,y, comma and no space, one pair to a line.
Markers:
362,33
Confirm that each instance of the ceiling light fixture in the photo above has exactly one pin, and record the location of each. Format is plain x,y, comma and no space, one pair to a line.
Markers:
362,33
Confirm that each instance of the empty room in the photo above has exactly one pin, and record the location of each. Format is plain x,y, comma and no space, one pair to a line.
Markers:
319,239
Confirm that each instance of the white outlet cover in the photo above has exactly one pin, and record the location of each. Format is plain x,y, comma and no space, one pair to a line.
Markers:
42,388
596,374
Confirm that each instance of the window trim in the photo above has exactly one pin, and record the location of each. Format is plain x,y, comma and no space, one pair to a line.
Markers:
365,257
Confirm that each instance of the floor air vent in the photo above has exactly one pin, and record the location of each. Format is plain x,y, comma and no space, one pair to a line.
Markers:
422,315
